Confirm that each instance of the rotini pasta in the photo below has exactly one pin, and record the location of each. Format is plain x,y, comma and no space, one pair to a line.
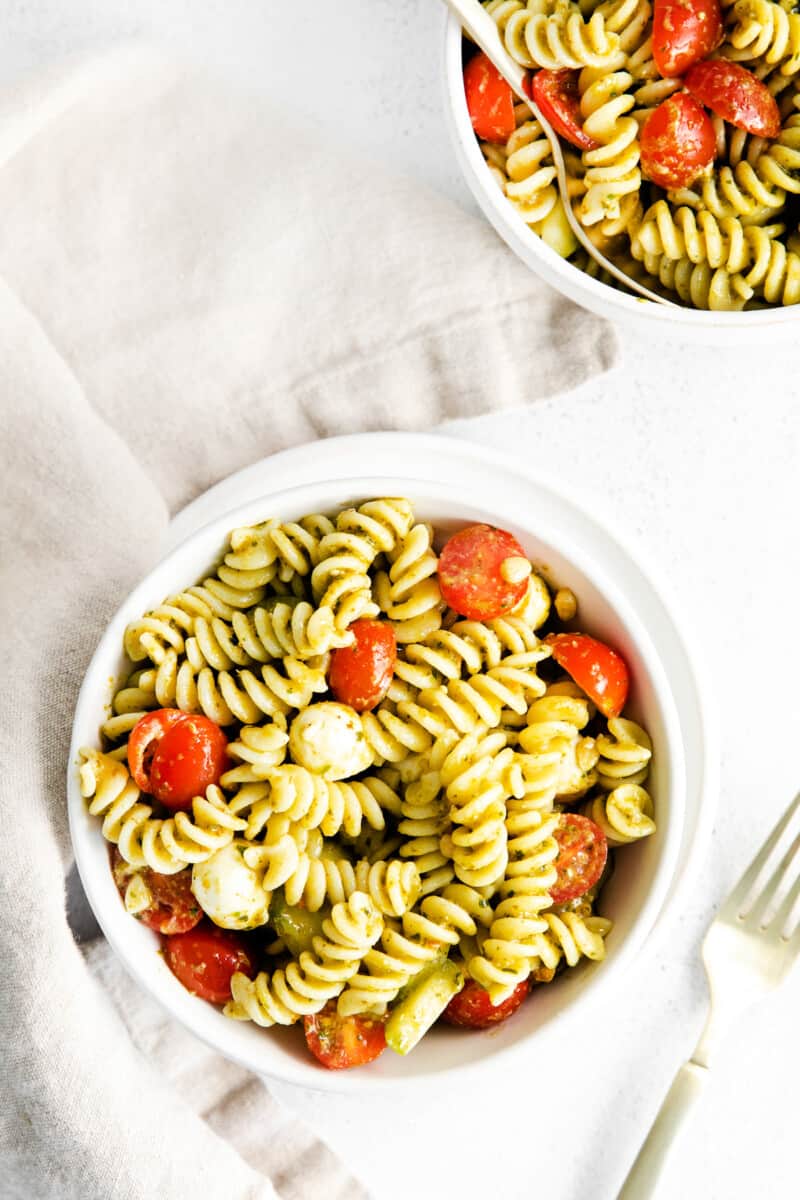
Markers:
165,845
436,923
506,955
624,814
473,770
305,986
692,243
387,833
553,34
409,592
624,754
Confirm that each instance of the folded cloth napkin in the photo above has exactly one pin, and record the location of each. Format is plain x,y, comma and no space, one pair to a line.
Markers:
187,282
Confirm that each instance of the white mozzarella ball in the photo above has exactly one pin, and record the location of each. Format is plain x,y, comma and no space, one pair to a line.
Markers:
328,739
229,891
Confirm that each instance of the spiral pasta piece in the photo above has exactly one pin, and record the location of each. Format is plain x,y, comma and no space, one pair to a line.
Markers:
571,937
258,749
775,270
697,283
467,646
765,263
700,237
472,770
436,924
248,696
305,986
164,845
340,580
760,30
394,886
484,697
298,630
426,818
625,752
289,858
612,170
394,730
743,190
554,726
512,944
624,814
282,550
168,624
331,807
553,35
629,20
529,172
132,701
409,592
779,165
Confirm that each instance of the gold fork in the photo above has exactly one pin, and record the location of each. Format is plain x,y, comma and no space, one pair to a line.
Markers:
749,948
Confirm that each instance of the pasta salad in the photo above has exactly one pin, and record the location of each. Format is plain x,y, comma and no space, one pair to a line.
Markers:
680,122
362,783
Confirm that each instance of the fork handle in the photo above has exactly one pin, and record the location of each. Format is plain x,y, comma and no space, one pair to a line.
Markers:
687,1088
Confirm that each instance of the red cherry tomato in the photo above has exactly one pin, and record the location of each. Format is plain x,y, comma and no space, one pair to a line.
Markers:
595,667
174,908
205,958
734,94
557,95
489,99
341,1042
684,31
472,1007
471,575
175,756
677,142
144,739
582,854
360,674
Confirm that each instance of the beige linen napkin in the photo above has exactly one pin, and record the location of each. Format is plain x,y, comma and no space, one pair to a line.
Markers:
187,282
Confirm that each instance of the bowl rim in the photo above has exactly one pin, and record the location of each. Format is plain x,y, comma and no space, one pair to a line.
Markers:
213,533
571,280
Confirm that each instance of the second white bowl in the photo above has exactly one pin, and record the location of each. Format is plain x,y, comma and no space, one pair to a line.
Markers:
711,328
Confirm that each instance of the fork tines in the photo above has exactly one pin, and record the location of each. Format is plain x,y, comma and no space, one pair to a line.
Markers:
770,887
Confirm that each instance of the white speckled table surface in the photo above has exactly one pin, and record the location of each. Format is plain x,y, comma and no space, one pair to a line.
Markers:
697,453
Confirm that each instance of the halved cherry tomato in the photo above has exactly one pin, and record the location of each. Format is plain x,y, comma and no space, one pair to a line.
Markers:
175,756
472,1007
677,142
596,668
205,958
144,739
734,93
472,570
557,95
489,99
684,31
360,674
582,854
341,1042
174,908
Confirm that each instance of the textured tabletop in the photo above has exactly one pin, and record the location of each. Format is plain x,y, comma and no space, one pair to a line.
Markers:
695,453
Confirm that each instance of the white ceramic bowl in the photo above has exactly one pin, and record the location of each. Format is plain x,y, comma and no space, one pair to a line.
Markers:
712,328
562,542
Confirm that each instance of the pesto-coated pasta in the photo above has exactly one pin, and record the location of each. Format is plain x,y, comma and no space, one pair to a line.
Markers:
351,845
726,241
